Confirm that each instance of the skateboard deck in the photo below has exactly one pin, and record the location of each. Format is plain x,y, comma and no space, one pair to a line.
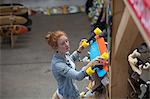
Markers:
13,10
8,20
15,29
98,48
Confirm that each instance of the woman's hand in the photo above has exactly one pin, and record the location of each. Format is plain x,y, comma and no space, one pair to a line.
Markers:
97,61
80,48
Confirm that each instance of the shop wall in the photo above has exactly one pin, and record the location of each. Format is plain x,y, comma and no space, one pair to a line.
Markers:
46,3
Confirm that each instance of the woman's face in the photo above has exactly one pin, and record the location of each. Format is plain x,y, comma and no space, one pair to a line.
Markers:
63,44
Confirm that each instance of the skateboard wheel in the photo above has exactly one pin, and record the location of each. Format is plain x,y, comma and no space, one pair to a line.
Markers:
82,94
132,94
97,31
105,55
89,71
85,44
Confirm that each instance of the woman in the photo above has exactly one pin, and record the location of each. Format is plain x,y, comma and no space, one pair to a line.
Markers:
63,66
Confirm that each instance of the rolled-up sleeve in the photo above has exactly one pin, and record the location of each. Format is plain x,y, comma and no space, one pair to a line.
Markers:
67,71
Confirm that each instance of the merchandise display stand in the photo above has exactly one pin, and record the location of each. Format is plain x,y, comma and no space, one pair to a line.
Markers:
127,34
14,21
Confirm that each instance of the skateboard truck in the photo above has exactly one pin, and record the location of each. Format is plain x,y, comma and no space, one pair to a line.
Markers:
105,81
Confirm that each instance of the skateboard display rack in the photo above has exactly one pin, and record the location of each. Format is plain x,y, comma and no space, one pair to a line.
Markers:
128,33
98,85
14,21
57,10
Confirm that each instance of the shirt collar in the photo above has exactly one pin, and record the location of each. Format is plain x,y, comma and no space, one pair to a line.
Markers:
61,55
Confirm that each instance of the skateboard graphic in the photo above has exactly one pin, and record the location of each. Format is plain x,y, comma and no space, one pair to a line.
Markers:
7,20
15,29
97,48
95,11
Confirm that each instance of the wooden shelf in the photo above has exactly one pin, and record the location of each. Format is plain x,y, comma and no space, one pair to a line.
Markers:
137,22
125,38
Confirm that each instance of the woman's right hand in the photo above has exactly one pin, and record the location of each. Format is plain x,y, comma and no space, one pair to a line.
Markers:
97,61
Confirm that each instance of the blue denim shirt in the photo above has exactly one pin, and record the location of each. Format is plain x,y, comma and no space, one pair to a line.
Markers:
65,75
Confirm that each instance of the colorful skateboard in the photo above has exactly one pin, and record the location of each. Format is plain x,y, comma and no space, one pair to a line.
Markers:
65,9
73,9
8,20
15,29
13,10
98,48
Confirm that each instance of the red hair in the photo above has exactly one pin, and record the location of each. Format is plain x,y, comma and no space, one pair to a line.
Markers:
52,38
